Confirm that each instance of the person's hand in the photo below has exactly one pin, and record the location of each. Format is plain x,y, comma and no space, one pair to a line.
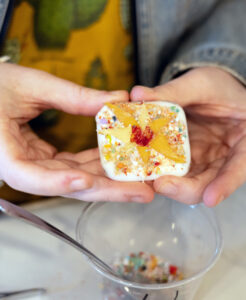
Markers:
31,165
215,103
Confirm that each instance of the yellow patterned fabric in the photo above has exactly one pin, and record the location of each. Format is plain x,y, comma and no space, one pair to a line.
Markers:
86,41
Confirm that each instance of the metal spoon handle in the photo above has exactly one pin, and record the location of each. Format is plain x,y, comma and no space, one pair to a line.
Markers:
22,293
19,212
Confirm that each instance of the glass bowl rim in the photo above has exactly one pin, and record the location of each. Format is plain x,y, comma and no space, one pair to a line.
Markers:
155,286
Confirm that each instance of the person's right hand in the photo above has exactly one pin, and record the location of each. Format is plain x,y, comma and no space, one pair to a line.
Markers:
215,104
31,165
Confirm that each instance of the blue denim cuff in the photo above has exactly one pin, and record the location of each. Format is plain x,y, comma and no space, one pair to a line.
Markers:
229,59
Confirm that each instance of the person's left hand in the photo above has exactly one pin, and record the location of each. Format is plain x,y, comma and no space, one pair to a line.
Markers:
29,164
215,103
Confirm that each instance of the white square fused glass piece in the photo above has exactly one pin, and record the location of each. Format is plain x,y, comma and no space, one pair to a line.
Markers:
143,141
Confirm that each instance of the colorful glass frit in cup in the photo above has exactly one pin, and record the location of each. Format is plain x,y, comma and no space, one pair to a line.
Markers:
184,237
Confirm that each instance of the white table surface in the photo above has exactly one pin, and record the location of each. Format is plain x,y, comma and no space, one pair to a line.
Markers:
30,258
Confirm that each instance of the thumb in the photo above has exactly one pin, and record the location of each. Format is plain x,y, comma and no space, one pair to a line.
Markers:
179,90
72,98
208,86
29,177
52,92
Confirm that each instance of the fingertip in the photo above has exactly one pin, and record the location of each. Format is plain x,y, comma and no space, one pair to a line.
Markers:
145,193
149,196
211,198
92,101
40,180
209,203
178,188
80,183
165,185
141,93
157,184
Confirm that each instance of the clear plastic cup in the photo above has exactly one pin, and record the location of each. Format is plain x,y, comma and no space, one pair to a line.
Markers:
186,236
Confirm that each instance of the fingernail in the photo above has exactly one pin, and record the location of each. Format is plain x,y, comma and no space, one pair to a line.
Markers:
137,199
77,184
220,199
168,188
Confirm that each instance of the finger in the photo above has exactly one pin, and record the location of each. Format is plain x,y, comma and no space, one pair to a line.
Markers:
26,176
173,91
87,160
105,189
50,91
76,100
92,167
81,157
176,91
143,93
179,90
188,190
199,86
230,177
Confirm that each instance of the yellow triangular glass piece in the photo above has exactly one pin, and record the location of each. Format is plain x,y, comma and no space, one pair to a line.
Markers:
157,124
123,134
143,118
160,144
123,116
144,153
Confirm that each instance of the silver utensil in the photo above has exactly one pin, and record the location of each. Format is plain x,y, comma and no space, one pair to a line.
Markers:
22,293
19,212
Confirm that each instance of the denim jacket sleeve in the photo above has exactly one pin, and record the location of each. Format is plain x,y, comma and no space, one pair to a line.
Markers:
219,41
3,9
